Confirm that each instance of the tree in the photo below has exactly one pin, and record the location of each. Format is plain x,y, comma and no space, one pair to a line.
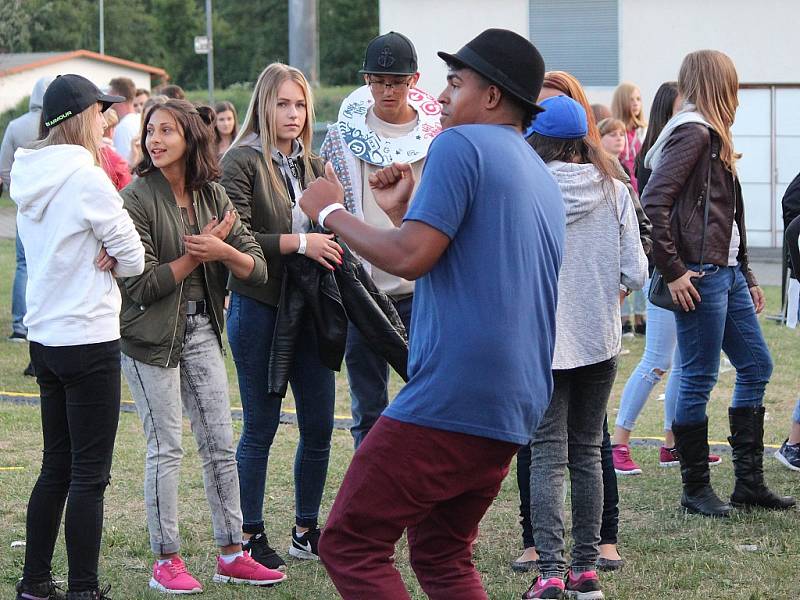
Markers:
15,35
346,27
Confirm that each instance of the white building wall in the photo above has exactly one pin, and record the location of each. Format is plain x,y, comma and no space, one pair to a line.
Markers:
447,25
15,87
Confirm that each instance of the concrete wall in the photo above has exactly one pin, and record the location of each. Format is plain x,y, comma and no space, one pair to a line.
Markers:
447,25
15,87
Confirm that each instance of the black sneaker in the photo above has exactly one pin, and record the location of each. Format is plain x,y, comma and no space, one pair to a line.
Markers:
640,329
40,591
260,551
17,337
305,545
627,329
29,372
789,455
95,594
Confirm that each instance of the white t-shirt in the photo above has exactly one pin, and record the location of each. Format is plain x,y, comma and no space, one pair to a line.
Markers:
126,130
373,214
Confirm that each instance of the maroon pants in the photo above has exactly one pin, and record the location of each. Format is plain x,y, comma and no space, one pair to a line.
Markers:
438,485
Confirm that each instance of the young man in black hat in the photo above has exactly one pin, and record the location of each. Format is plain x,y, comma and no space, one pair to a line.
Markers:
380,123
483,239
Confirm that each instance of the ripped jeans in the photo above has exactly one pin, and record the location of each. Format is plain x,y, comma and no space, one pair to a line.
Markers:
79,390
660,354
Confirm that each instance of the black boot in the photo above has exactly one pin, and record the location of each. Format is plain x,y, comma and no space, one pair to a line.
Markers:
691,442
747,443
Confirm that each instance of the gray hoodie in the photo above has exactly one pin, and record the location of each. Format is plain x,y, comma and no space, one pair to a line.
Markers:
601,252
22,130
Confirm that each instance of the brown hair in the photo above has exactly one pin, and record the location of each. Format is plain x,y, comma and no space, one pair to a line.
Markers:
708,80
260,117
173,91
123,86
141,91
77,131
223,106
195,124
621,106
610,125
568,85
582,150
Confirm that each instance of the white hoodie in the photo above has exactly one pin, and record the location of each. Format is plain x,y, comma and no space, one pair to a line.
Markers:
68,210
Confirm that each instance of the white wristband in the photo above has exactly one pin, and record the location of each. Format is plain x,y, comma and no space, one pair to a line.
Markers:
323,214
303,242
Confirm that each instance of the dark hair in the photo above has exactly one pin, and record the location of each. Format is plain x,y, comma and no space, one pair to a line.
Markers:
123,86
173,91
223,106
660,113
582,150
196,123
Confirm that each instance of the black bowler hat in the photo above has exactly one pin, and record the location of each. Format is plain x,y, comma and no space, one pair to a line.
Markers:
390,54
506,59
70,95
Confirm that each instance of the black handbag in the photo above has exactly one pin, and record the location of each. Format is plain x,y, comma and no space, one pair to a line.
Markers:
659,293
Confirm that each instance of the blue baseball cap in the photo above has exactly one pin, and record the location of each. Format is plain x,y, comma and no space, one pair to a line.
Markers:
563,118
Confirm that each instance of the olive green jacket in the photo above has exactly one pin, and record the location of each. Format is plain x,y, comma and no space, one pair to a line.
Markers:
266,212
153,317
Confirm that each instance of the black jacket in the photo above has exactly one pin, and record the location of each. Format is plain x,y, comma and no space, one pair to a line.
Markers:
330,299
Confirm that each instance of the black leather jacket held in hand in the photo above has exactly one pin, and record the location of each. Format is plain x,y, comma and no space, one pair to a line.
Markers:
329,299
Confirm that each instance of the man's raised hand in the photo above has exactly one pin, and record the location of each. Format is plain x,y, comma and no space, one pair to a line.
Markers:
392,187
321,192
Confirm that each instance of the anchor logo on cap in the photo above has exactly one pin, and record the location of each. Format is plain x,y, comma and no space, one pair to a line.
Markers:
386,58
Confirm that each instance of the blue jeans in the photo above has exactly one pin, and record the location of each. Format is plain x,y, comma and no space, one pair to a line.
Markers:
660,353
796,412
368,375
18,291
724,320
250,328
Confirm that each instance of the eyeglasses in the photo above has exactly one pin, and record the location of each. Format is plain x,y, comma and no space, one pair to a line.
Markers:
380,84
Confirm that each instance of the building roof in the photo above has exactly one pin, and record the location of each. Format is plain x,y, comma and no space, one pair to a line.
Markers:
17,63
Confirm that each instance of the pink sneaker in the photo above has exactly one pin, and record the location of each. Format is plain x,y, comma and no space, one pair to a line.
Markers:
585,586
552,588
668,457
246,570
623,463
173,578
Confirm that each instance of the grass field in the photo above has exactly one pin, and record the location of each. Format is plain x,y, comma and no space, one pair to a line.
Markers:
752,556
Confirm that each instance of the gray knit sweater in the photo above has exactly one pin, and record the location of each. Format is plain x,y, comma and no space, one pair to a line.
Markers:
601,252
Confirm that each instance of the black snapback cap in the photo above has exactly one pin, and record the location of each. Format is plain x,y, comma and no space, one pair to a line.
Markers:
390,54
69,95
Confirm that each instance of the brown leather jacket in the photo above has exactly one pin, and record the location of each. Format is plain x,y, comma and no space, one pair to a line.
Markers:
673,200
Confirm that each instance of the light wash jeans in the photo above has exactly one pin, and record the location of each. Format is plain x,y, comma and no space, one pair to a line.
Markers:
660,353
18,306
200,384
796,413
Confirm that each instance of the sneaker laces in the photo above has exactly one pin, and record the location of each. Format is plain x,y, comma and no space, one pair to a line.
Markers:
175,568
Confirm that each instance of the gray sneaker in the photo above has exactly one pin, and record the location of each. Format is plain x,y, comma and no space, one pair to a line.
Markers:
789,455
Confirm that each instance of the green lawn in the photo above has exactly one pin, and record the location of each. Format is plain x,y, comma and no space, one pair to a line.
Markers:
669,555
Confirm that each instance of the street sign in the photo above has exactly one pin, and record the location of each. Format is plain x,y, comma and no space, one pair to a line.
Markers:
201,44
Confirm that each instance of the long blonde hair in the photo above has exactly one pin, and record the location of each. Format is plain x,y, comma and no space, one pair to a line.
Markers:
260,117
708,80
621,106
77,131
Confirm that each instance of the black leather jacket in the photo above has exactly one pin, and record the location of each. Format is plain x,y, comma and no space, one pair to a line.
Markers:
330,299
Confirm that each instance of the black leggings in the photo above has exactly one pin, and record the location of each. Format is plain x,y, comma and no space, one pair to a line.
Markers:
610,525
80,397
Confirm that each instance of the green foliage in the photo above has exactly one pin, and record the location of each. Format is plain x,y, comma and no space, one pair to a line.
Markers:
248,34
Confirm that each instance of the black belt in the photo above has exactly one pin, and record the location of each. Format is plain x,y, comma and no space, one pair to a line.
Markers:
196,307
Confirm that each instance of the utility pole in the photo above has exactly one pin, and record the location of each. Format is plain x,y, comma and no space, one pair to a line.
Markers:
102,29
304,38
210,57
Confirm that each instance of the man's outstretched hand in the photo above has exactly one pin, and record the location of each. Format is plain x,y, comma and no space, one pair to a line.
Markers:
392,187
321,192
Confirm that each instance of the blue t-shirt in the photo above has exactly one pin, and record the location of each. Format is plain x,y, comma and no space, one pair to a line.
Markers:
483,320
